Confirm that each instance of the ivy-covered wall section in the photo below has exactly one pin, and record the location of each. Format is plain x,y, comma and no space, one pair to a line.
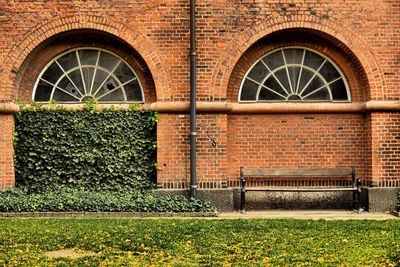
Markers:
85,149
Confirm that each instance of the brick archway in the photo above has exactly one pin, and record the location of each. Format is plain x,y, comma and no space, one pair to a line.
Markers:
330,29
45,30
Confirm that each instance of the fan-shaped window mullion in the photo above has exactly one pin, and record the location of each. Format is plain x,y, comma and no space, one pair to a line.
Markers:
56,87
95,72
287,72
69,78
115,89
262,84
315,74
273,75
301,70
321,77
269,89
85,73
298,74
80,69
326,84
108,77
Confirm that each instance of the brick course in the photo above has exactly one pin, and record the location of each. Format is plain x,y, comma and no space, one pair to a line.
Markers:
6,151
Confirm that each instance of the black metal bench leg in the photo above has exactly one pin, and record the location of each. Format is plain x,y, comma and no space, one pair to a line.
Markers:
359,195
242,196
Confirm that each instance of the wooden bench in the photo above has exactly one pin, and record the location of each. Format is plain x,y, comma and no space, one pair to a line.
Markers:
249,173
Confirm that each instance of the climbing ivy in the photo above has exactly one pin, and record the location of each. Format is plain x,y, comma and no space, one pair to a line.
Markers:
90,149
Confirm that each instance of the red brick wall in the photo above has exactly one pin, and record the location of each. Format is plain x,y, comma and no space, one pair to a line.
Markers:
361,36
296,141
6,151
159,31
173,150
385,148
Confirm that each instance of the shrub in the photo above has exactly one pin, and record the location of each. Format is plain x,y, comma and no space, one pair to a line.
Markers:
61,199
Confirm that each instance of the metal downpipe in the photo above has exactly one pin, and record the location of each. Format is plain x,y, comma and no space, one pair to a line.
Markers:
192,134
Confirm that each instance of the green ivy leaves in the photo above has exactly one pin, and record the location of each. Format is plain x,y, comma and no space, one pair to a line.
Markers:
62,199
103,150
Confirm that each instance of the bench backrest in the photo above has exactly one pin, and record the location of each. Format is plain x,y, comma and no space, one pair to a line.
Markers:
264,172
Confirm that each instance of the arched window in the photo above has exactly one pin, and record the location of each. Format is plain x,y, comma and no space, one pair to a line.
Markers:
84,73
294,74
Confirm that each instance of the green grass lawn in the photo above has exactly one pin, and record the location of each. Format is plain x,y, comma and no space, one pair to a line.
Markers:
204,242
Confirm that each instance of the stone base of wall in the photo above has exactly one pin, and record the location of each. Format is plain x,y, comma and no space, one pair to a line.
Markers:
226,200
221,198
297,200
379,198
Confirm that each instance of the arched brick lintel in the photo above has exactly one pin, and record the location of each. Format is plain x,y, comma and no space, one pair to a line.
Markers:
335,30
45,30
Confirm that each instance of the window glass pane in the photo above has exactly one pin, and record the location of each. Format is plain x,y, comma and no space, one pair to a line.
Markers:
329,72
61,96
315,84
123,73
88,57
313,60
322,94
107,61
52,73
259,72
271,83
66,84
68,61
249,90
282,76
108,86
43,91
76,78
293,56
304,76
294,76
338,90
98,80
274,60
117,95
133,91
88,77
267,95
80,74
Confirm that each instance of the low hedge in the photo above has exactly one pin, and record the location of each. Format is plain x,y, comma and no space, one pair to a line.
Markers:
64,199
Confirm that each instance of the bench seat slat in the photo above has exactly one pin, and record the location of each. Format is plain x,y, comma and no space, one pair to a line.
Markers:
302,189
296,172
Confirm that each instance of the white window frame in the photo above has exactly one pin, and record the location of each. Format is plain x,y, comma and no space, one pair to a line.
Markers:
96,67
260,84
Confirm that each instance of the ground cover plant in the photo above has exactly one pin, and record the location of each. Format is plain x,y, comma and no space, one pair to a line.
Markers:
200,242
88,160
64,199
